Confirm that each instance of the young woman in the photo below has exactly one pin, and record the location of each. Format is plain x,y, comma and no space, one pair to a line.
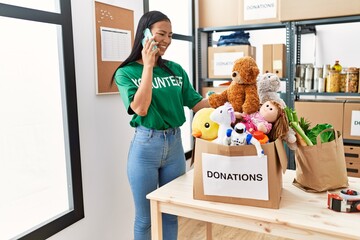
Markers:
155,92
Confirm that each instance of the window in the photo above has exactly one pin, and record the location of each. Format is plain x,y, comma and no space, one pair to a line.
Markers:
182,48
45,5
40,174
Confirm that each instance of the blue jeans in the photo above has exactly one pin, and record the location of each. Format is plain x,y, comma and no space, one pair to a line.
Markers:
155,158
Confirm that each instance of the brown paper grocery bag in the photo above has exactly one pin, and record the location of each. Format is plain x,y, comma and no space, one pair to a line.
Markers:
321,167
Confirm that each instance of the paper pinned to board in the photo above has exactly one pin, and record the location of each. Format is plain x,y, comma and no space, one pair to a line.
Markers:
115,44
237,176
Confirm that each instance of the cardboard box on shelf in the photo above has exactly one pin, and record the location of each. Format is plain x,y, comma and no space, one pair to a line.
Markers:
267,58
289,9
260,185
279,59
221,59
238,12
213,14
259,11
352,120
318,112
274,59
352,158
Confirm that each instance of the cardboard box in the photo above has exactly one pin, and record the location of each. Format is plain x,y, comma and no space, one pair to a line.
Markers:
274,59
352,158
267,58
318,112
218,89
259,11
269,183
352,120
213,14
279,59
239,12
290,9
221,59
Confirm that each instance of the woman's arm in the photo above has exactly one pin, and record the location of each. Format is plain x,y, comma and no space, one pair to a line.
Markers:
204,103
142,97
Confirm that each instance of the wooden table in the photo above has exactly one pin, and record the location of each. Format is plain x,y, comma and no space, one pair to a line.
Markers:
301,215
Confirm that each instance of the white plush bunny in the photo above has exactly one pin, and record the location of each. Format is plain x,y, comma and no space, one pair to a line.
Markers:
224,116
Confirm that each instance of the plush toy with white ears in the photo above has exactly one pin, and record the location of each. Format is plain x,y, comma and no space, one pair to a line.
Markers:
224,116
268,85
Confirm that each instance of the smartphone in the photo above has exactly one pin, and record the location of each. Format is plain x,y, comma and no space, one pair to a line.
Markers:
147,35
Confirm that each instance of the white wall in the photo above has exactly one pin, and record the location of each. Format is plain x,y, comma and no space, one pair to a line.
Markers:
332,42
105,135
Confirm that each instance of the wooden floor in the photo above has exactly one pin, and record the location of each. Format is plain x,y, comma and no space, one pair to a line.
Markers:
190,229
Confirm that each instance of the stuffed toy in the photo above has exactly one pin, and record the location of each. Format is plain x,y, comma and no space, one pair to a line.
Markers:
202,126
242,93
270,119
268,85
290,139
239,136
224,116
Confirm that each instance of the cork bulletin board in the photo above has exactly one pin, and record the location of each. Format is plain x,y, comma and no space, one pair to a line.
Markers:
114,39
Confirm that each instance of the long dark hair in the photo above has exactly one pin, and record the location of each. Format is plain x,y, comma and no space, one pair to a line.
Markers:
146,21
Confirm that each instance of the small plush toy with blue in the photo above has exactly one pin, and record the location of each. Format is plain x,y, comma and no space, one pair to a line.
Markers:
240,136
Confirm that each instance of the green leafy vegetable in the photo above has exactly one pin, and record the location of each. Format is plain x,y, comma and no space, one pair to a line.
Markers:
304,124
325,137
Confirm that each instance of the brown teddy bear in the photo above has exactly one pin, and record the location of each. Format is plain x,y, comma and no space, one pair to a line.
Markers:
242,92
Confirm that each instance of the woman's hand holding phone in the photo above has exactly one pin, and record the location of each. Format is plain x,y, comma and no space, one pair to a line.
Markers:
149,49
148,35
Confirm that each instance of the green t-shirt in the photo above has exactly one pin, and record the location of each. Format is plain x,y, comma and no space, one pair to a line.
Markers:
169,95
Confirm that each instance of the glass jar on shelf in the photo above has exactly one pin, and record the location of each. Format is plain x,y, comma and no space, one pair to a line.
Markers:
337,66
342,80
352,80
333,81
